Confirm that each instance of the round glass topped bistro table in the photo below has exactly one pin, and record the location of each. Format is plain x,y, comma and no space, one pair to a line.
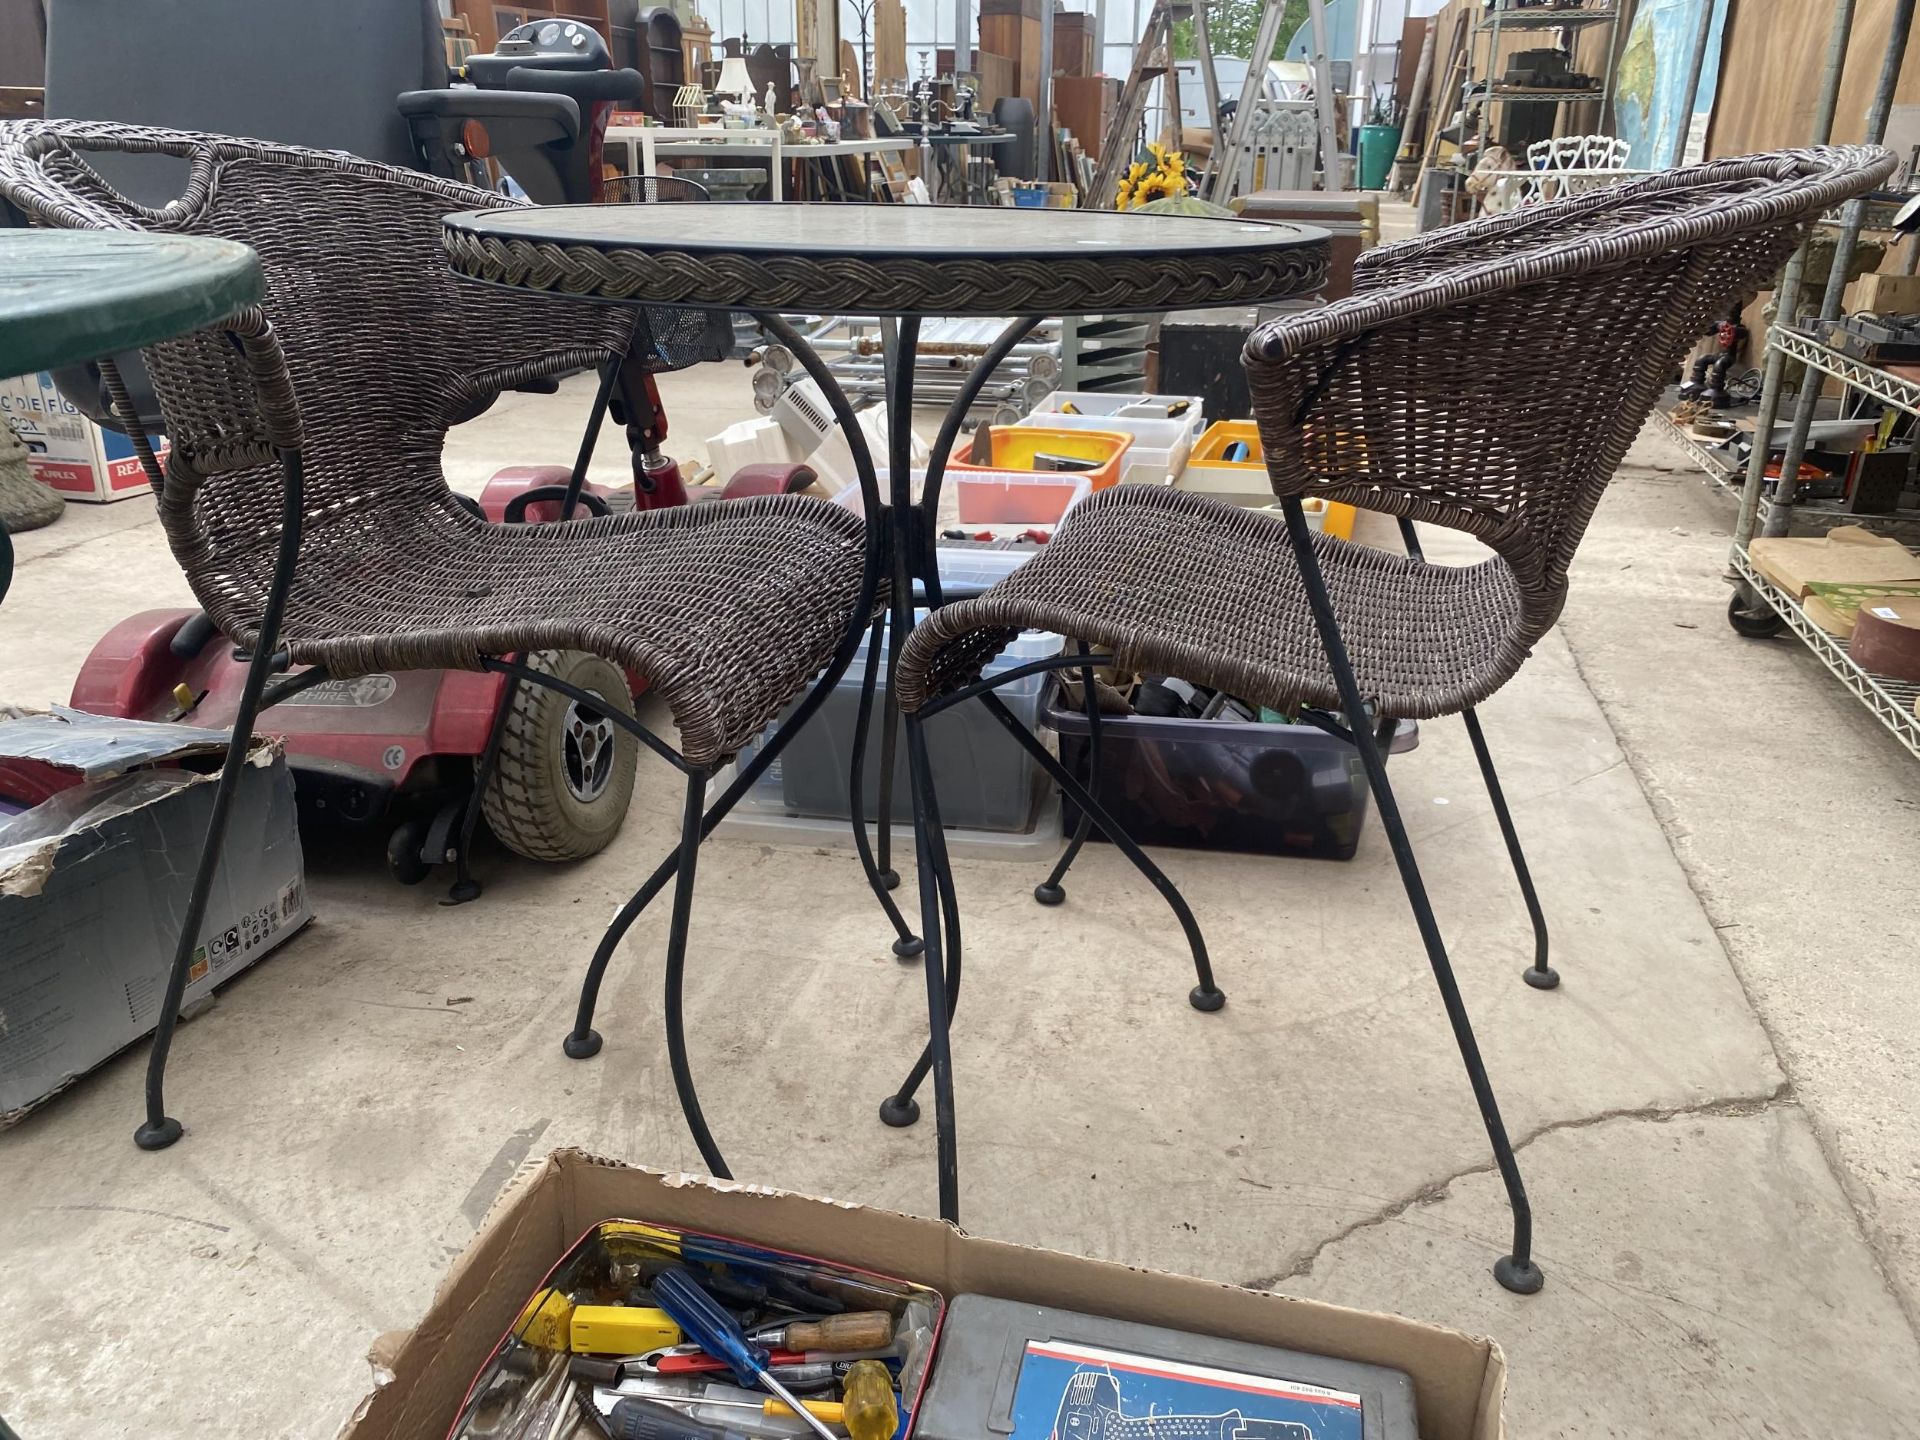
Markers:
904,263
70,296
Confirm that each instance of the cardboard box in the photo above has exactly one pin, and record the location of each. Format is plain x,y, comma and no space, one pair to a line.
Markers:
68,452
1885,295
1851,555
88,917
420,1377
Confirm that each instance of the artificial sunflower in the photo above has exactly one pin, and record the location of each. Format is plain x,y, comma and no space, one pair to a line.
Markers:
1164,179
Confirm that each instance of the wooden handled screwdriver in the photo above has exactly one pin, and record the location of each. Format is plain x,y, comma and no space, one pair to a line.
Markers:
856,1331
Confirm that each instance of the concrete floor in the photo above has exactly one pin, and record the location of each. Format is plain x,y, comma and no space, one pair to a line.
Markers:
1715,1112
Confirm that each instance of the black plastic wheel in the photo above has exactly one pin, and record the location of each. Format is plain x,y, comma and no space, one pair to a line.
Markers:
1763,625
565,773
899,1113
404,860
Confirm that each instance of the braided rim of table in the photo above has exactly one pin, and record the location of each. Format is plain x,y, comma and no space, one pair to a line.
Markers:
868,281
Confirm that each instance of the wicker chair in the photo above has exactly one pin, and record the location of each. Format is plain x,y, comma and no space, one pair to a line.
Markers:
1487,378
312,432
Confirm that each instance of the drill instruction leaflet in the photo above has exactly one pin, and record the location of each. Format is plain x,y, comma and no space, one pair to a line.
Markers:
1070,1391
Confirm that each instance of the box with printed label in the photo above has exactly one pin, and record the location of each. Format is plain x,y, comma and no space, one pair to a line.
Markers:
66,451
101,823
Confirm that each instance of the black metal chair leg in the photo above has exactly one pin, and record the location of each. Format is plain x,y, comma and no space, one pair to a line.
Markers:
1051,891
1516,1270
160,1129
906,944
900,1109
689,855
1205,995
1540,975
931,864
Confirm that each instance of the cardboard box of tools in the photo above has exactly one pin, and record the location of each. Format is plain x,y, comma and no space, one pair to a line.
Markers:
422,1376
95,877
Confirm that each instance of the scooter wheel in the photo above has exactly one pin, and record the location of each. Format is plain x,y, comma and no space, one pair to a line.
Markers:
404,860
564,779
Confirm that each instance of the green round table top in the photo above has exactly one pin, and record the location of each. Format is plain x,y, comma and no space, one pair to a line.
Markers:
69,296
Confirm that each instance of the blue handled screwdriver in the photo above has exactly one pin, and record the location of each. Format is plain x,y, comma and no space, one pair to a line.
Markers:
719,1334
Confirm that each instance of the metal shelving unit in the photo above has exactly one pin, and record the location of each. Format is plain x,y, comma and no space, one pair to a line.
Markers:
1504,17
1726,473
1756,601
1891,701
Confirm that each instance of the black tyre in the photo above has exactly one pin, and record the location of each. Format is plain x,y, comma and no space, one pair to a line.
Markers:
565,776
1755,625
404,861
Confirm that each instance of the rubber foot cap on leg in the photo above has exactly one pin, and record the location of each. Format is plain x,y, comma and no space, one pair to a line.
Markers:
908,947
1050,894
899,1111
890,878
1202,998
157,1137
462,891
1522,1277
582,1047
1546,979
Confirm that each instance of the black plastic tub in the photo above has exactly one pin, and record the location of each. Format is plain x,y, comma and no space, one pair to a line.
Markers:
1221,784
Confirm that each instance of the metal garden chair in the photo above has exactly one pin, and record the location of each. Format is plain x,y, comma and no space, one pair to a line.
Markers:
304,498
1487,378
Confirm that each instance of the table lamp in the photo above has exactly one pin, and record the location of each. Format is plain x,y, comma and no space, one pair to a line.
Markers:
734,79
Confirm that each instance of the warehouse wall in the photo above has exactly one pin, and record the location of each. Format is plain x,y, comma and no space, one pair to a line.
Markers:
1771,71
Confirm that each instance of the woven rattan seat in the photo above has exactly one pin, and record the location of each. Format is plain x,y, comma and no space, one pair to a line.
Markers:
1177,584
726,610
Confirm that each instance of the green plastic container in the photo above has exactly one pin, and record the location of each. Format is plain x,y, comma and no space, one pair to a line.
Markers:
1378,145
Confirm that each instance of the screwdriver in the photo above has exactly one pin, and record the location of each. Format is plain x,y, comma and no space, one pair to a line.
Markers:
715,1331
857,1330
827,1410
869,1410
634,1419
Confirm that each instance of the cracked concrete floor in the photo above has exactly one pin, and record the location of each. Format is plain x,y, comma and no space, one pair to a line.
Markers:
1712,1113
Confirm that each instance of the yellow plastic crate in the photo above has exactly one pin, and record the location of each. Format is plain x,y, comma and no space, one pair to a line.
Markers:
1245,482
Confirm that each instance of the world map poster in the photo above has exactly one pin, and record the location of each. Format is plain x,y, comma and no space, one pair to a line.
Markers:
1648,104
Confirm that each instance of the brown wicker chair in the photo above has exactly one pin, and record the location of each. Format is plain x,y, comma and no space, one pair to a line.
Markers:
304,498
1487,378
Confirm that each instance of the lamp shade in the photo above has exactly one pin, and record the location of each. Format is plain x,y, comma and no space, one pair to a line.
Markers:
734,79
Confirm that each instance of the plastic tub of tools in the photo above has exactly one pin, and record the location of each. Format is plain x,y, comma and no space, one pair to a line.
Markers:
1096,455
1228,465
1261,788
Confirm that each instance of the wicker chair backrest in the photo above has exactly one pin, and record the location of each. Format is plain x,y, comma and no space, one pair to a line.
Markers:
384,348
1489,377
